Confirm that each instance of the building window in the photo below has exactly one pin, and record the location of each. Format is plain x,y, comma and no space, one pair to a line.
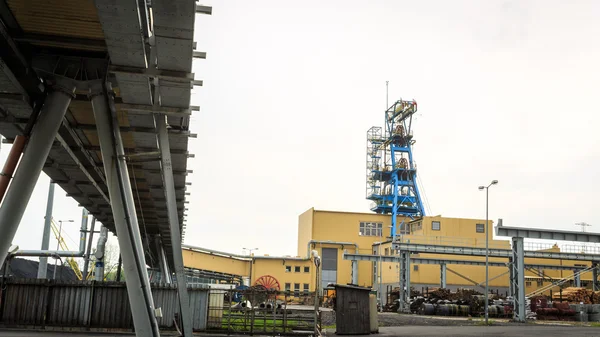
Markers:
387,252
528,284
371,229
296,289
288,269
416,267
307,269
296,269
540,283
435,225
306,287
480,228
415,226
288,286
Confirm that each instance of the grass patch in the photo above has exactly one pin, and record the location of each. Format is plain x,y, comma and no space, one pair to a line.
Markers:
595,324
332,326
482,322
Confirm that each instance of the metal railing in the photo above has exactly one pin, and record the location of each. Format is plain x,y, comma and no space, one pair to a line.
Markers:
259,311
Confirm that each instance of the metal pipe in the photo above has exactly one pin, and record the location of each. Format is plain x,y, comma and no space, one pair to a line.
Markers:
174,225
138,286
32,162
43,266
48,253
11,163
88,251
119,265
100,253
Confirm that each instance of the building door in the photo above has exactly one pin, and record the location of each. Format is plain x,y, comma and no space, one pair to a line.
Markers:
329,267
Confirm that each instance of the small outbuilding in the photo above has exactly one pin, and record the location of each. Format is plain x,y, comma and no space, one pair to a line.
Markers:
352,310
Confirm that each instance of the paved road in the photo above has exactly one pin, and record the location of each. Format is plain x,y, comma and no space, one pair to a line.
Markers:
505,331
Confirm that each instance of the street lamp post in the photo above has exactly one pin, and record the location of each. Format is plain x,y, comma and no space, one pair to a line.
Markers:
60,222
317,262
250,250
487,238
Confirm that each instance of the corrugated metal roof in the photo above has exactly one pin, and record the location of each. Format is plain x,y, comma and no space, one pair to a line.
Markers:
74,18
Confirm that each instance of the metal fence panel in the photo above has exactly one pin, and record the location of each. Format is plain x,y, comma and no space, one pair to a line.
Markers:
199,306
90,304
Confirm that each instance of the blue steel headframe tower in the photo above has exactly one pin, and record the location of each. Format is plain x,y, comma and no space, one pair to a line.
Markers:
391,171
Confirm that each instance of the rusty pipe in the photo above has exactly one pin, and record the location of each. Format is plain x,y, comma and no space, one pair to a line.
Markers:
11,164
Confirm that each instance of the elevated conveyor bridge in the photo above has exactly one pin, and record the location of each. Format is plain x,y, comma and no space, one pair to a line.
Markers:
96,94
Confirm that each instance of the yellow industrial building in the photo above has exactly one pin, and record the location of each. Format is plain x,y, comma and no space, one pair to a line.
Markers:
331,232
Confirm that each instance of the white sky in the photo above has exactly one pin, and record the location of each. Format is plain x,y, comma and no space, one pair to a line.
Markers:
506,90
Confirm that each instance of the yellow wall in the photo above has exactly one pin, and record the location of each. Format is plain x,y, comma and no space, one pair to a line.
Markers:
276,268
217,263
344,227
305,230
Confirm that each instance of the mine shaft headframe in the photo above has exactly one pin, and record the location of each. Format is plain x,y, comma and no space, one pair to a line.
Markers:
401,110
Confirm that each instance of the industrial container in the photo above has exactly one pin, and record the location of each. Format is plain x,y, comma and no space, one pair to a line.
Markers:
352,310
373,313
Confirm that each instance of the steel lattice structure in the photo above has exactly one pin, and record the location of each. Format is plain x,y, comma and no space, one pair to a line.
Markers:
391,171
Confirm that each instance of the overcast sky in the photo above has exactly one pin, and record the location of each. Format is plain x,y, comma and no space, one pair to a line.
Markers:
506,90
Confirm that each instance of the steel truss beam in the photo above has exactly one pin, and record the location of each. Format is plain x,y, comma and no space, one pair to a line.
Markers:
546,234
493,252
420,260
92,127
518,278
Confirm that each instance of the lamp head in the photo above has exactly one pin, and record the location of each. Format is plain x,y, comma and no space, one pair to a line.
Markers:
494,182
481,188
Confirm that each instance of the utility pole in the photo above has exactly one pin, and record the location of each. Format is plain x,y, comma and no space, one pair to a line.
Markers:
583,226
250,250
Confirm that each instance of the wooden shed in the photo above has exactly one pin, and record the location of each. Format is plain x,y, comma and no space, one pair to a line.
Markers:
352,310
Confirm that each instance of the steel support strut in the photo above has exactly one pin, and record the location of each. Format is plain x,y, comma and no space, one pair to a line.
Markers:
595,283
443,275
355,272
576,278
404,281
88,251
167,172
32,162
165,273
518,278
43,266
124,215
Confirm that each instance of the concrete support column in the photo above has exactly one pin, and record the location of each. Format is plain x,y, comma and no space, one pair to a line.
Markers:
443,275
354,272
518,259
124,215
32,162
43,266
174,226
